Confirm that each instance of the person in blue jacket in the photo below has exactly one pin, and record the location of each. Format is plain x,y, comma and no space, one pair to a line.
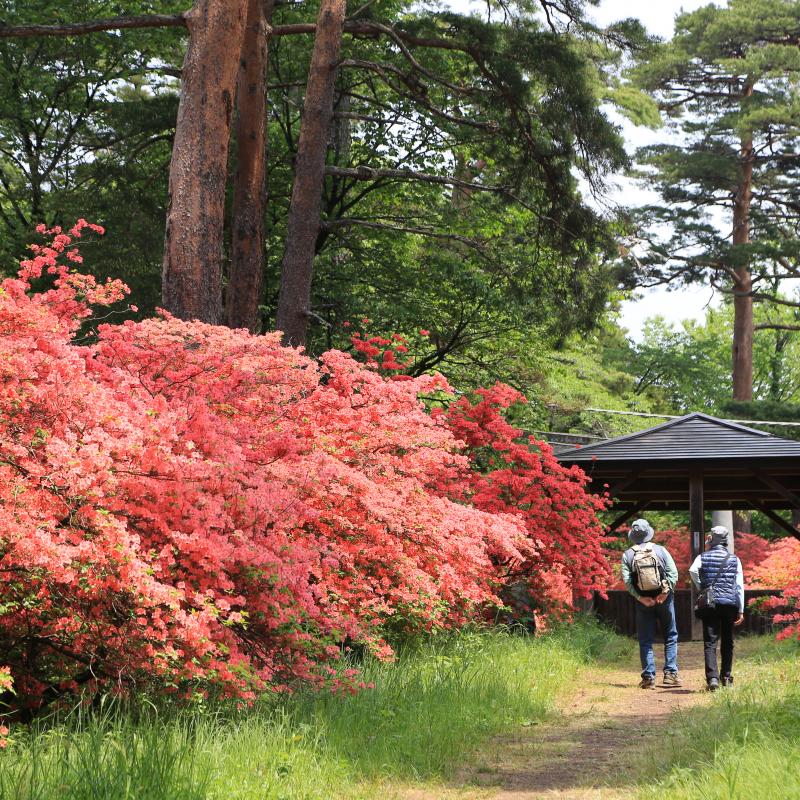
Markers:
720,571
653,606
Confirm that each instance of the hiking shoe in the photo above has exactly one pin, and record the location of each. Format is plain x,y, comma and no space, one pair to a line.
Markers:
672,679
713,685
647,683
727,680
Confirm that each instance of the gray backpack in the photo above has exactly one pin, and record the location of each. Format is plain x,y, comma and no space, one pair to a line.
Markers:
647,570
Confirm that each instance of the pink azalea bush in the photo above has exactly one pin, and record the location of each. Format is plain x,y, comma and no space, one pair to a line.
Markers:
189,508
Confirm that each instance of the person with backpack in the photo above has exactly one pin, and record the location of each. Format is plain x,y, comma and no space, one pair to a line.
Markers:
650,575
717,575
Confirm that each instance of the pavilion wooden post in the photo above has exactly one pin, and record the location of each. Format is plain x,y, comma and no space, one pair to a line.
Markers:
697,534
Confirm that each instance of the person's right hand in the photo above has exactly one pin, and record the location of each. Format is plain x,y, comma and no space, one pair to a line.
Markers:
647,601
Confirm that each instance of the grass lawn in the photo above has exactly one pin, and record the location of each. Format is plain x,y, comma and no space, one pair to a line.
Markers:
746,744
428,711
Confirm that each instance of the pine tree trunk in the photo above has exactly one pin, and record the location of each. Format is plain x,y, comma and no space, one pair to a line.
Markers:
742,299
192,270
246,276
743,336
304,211
743,284
743,314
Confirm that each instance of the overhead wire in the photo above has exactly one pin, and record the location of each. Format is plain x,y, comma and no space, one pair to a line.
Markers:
678,416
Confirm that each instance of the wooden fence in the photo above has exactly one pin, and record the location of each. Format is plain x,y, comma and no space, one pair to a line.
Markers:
619,611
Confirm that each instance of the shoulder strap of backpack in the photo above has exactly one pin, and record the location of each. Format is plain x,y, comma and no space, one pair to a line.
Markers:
657,551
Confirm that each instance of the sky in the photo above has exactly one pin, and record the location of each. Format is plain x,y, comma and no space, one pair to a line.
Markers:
674,305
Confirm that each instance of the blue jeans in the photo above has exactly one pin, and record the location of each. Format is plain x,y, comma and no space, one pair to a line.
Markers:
646,629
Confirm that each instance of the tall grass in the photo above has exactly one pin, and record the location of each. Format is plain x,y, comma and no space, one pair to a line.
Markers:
429,709
746,744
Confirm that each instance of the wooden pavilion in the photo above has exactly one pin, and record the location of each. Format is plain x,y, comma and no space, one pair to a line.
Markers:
696,462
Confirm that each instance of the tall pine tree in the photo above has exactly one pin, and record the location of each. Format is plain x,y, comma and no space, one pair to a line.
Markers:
728,84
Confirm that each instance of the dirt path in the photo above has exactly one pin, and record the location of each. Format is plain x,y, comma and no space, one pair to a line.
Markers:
591,752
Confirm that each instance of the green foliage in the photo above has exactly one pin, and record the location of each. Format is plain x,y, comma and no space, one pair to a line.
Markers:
512,101
590,371
766,410
746,744
439,701
729,75
637,106
488,273
688,368
86,124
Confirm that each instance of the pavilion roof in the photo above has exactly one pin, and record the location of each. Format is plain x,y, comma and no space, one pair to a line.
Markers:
694,437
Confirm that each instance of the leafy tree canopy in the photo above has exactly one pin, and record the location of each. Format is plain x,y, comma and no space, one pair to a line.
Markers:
728,85
509,104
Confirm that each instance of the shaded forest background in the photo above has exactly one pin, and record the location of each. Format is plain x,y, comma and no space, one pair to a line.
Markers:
463,191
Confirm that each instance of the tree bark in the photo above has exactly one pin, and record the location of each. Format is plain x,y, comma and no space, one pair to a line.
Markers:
304,211
742,349
246,277
466,172
192,271
742,298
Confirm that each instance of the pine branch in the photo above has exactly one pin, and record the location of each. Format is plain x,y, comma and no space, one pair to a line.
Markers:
771,298
94,26
356,28
789,267
417,90
775,326
365,223
374,28
370,174
363,118
398,40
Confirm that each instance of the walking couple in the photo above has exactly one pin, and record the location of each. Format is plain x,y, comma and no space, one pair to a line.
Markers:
650,575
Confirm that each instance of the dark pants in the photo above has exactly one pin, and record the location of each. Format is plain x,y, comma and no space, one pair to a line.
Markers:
718,627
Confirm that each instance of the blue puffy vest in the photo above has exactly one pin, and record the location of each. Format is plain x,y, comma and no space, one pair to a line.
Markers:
725,593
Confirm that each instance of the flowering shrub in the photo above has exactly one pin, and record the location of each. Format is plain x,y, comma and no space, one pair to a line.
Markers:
515,474
751,549
780,567
194,508
781,570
